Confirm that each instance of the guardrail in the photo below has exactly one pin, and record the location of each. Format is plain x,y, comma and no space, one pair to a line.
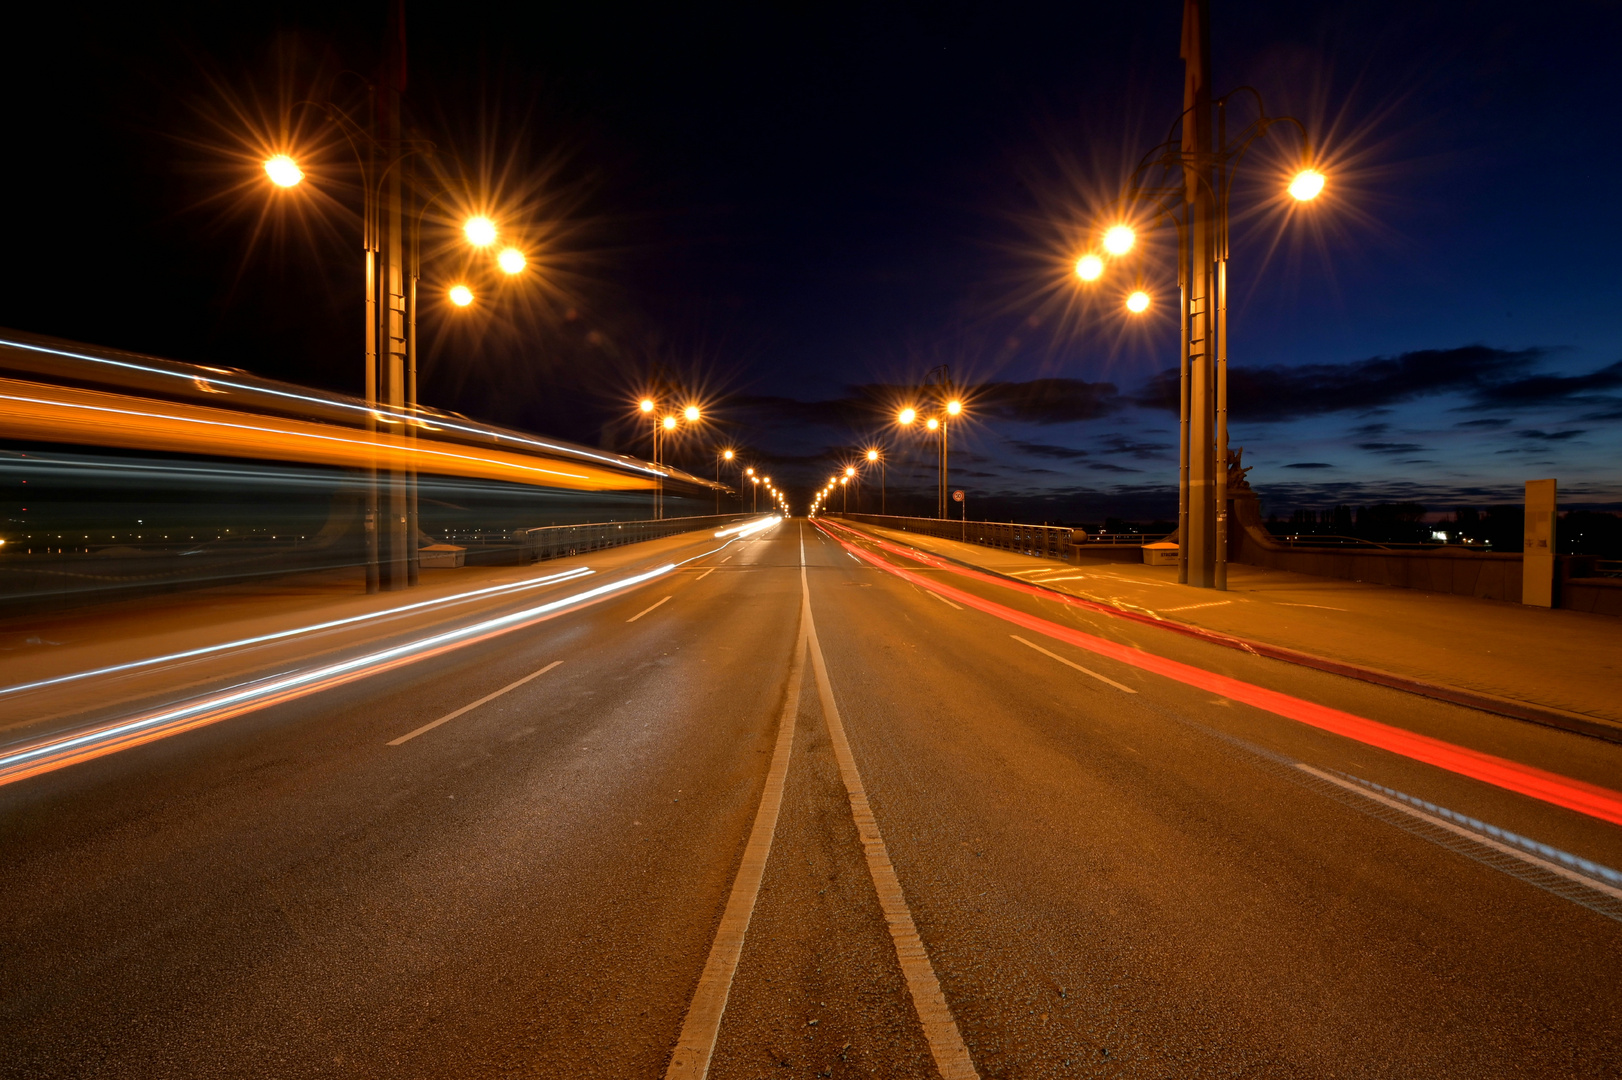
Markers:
1042,541
558,541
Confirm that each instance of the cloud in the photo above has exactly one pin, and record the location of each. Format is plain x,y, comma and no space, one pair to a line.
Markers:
1292,392
1105,466
1486,422
1368,430
1143,451
1549,436
1309,465
1390,447
1048,450
1536,390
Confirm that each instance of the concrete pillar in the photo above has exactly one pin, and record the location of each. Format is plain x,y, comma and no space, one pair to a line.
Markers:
1537,558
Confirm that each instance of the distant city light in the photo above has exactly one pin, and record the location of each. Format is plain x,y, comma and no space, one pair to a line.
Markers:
283,171
1308,183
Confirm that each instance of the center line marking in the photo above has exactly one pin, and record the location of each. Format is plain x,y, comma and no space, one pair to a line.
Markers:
696,1044
945,1041
1072,663
644,611
469,708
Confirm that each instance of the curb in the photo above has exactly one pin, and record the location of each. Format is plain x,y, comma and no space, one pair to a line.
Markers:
1515,710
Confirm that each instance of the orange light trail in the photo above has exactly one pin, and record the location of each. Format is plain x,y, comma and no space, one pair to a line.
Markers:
94,418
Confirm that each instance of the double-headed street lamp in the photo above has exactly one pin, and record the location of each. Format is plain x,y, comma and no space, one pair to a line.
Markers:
1188,180
950,410
664,426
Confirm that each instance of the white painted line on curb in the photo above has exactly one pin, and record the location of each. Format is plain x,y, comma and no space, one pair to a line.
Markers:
644,611
696,1044
945,1041
1486,841
1072,663
475,705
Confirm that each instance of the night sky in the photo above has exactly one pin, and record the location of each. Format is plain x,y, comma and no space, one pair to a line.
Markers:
794,212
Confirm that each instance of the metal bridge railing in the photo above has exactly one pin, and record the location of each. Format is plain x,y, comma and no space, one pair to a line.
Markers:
1042,541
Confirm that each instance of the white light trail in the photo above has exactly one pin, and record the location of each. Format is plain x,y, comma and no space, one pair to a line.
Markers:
56,753
749,528
189,654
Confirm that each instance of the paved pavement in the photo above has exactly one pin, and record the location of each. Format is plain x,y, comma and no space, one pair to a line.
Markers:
1567,661
1110,869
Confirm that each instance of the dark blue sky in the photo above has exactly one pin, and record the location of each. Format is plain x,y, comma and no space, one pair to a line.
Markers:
792,209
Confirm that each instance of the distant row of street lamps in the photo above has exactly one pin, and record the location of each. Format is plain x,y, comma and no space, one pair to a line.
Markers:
910,418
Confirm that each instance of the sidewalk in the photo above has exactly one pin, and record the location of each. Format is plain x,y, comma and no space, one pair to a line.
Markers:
1552,666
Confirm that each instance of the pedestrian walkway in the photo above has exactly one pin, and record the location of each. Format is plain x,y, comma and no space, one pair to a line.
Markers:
1557,666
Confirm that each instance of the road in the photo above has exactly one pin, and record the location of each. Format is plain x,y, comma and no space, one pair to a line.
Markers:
1108,870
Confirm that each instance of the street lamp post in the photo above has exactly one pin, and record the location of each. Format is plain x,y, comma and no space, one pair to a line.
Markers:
1193,191
875,457
724,455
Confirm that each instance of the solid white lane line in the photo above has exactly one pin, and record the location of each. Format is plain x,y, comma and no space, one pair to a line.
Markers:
945,1041
1193,607
475,705
644,611
696,1044
1320,607
942,599
705,574
1486,841
1072,663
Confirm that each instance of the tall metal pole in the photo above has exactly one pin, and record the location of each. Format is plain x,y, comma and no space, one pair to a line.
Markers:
1182,407
413,273
1197,173
369,234
1219,577
881,487
392,331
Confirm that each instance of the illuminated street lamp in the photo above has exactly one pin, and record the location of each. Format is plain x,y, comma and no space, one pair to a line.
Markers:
873,456
511,261
283,171
1138,302
1118,239
461,295
480,231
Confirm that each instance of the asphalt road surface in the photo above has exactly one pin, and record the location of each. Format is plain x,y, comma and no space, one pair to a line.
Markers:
656,857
